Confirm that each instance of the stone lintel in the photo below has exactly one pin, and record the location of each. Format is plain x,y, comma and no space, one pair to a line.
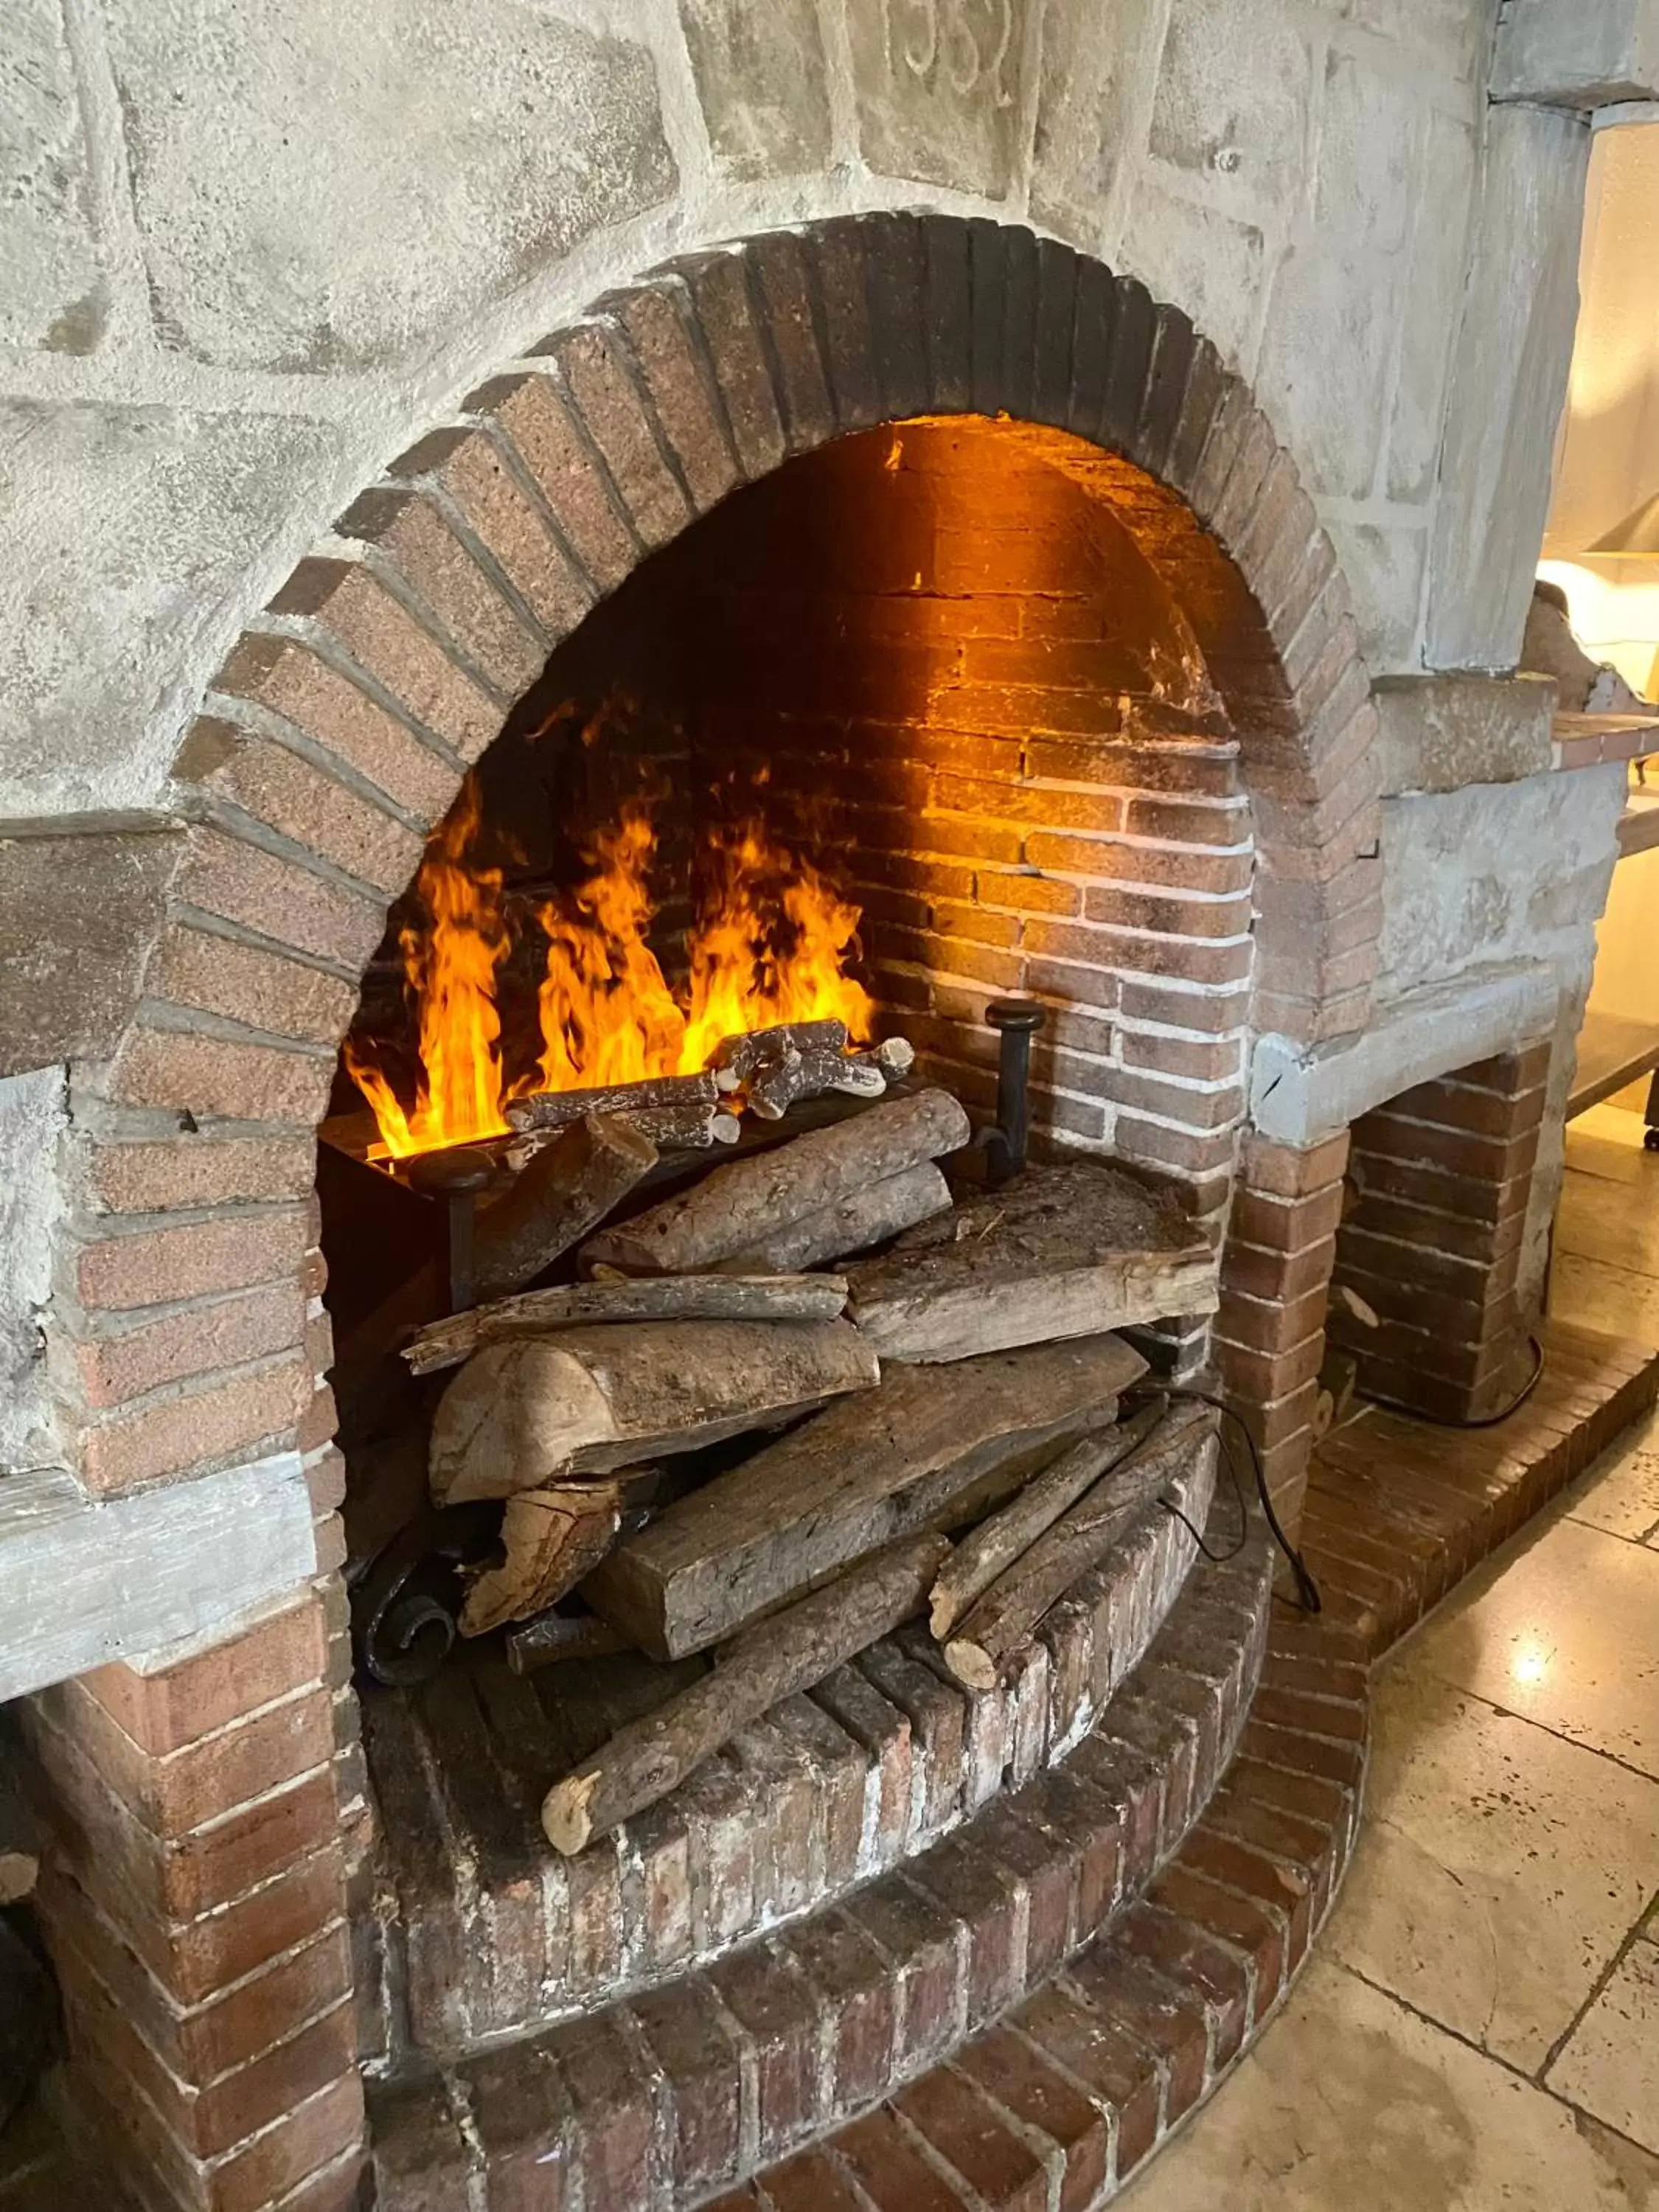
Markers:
1584,54
1299,1095
1439,733
84,1582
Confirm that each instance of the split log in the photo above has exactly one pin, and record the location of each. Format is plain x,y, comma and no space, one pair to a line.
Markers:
931,1449
568,1188
788,1653
992,1548
446,1343
741,1207
552,1637
524,1415
998,1625
546,1110
552,1538
853,1223
1059,1252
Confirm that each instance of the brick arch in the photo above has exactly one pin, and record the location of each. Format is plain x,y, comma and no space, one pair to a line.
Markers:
343,719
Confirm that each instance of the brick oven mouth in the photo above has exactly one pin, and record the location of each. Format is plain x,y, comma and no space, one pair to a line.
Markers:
909,737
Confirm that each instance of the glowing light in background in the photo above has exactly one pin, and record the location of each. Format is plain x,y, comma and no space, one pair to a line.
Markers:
1530,1664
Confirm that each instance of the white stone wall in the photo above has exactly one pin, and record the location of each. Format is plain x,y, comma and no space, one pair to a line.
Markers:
248,252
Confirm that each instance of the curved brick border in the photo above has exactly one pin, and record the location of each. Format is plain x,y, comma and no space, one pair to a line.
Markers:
882,1762
667,2096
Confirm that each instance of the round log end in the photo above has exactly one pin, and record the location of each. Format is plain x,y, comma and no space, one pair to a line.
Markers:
565,1821
725,1128
971,1665
942,1615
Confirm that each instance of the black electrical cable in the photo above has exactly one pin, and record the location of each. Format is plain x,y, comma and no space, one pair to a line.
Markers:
1489,1420
1307,1588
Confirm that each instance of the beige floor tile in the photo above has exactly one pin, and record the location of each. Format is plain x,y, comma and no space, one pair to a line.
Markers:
1611,2064
1499,1869
1615,1222
1620,1493
1352,2104
1593,1294
1564,1632
1608,1143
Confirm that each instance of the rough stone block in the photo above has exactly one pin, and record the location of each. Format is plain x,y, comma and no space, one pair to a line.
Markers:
938,89
1589,55
1234,92
78,914
462,152
129,528
1201,258
1460,870
1508,375
761,80
1384,570
1439,733
52,287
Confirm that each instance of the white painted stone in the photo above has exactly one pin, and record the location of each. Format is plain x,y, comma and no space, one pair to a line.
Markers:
1300,1093
1338,294
1449,37
1206,262
1495,872
51,290
31,1122
319,188
1434,297
1509,378
1384,568
1234,92
1095,76
132,537
1584,54
83,1584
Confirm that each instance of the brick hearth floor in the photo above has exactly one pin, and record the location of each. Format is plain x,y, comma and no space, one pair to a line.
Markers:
1479,2027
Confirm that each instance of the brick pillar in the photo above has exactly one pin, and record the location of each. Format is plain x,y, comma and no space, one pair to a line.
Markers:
1431,1242
1275,1278
195,1907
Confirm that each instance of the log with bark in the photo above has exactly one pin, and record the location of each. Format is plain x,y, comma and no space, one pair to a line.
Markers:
547,1109
552,1538
446,1343
999,1624
789,1652
524,1415
1059,1251
566,1189
854,1223
992,1548
931,1448
739,1208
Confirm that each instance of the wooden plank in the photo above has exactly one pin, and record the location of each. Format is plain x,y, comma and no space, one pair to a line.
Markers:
1059,1252
590,1400
931,1447
1613,1051
446,1343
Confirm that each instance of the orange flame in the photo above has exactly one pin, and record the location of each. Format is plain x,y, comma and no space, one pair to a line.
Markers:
771,943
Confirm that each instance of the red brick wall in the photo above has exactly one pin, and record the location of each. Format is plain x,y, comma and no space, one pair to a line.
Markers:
1437,1184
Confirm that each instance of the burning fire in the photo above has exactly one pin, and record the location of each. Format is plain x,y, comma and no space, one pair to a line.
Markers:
771,942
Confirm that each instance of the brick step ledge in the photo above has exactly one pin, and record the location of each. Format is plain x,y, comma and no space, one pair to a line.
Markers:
677,2094
480,1933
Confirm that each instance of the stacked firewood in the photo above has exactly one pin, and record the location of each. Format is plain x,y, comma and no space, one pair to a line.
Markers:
936,1426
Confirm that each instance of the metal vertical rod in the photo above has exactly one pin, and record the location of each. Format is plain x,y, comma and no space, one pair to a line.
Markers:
1016,1021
